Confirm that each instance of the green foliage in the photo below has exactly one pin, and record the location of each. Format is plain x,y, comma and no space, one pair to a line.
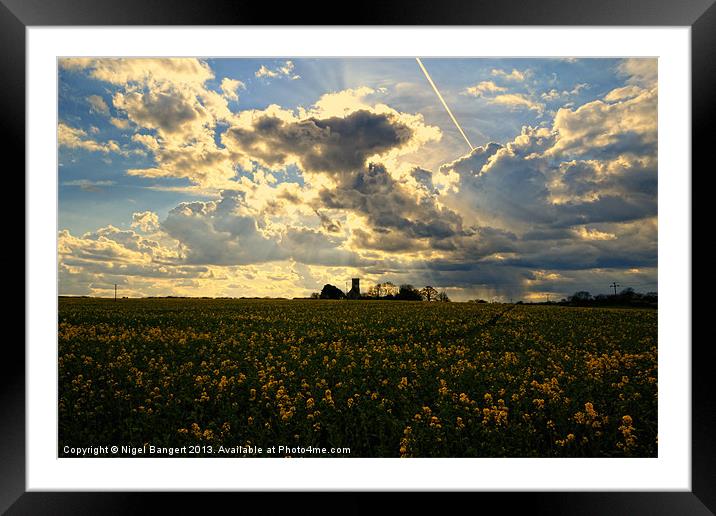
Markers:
385,378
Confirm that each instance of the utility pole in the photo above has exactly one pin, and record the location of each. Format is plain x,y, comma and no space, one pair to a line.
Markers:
614,285
115,291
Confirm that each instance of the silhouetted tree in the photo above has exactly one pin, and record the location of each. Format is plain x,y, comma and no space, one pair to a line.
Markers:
628,293
315,295
408,293
331,292
443,297
580,296
429,293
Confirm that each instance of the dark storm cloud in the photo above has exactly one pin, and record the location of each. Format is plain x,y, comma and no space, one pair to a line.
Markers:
547,234
581,178
511,185
392,210
472,163
424,178
334,145
608,208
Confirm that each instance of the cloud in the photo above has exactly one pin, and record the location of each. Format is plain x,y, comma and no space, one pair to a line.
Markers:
640,71
176,120
113,250
89,185
329,225
594,234
216,232
98,105
332,144
484,87
146,221
610,127
554,95
230,88
75,138
340,188
170,111
623,93
525,183
225,232
494,94
183,125
94,262
119,123
282,70
516,100
342,103
514,75
391,209
123,71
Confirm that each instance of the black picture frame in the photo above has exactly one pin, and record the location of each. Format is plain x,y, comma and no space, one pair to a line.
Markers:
17,15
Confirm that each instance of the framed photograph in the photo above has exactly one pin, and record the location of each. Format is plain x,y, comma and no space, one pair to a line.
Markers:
422,252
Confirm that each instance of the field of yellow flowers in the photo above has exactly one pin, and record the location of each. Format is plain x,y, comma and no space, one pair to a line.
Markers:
383,378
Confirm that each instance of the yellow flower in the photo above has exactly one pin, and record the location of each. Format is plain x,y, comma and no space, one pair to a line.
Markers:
328,397
589,409
223,383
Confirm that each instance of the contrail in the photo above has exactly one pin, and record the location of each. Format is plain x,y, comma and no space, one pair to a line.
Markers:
435,88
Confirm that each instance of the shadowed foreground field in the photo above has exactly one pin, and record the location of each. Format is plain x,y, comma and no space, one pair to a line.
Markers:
383,378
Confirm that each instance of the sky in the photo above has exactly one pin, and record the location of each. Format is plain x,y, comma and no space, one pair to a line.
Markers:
272,177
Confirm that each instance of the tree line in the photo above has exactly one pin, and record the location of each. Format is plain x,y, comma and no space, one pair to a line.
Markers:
627,297
388,291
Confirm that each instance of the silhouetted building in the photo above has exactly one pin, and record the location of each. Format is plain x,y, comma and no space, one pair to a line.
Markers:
354,292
